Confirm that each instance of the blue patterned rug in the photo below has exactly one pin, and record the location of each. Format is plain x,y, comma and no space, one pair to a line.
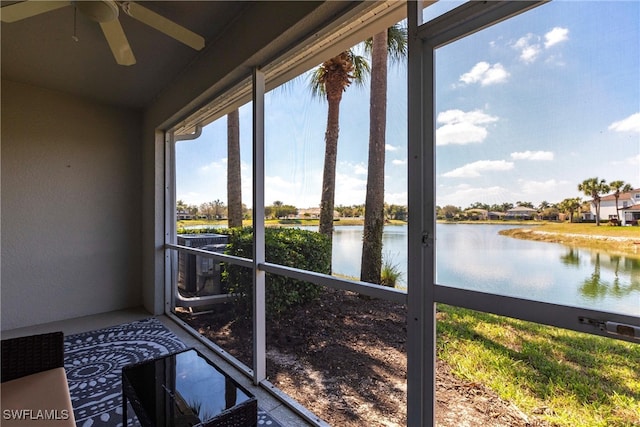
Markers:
94,361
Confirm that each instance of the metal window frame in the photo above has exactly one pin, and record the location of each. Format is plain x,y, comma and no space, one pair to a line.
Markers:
424,292
259,298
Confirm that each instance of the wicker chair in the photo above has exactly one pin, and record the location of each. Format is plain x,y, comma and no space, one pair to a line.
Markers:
34,389
31,354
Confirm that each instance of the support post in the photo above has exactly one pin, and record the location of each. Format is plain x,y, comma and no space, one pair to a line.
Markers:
421,357
259,317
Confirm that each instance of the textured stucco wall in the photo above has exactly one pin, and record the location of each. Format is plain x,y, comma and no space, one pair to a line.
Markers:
71,207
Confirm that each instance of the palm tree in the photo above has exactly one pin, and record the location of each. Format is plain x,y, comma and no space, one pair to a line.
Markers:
619,187
218,208
392,42
594,187
330,80
505,207
571,205
234,183
524,204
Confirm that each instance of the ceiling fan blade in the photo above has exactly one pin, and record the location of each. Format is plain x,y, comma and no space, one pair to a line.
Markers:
164,25
27,9
118,42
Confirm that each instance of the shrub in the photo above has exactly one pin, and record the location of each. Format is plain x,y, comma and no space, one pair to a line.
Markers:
291,247
390,273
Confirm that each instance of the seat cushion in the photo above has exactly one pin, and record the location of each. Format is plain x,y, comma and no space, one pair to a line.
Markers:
40,399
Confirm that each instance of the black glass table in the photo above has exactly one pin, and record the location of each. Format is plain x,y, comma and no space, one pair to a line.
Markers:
185,389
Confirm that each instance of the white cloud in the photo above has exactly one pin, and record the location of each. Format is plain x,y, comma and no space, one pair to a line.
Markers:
210,184
532,155
551,190
485,74
191,198
350,190
534,187
555,60
359,169
214,167
529,47
462,127
633,161
555,36
277,182
389,147
399,162
284,190
475,169
464,194
630,124
396,198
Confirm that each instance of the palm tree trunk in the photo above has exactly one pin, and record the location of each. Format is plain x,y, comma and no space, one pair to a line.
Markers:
329,173
234,183
374,203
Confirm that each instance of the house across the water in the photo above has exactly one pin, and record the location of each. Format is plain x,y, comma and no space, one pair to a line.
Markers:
521,212
628,208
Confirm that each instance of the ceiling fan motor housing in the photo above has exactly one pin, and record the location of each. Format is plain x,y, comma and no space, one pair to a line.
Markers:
98,11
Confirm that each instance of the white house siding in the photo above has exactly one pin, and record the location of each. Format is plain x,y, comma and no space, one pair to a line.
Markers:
631,215
608,204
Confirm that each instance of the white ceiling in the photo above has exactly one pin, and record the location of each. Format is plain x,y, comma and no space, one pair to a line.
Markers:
40,51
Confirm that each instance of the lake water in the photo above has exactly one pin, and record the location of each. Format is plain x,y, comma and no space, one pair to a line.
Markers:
475,256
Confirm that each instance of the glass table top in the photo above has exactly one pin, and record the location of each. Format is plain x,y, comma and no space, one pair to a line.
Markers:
183,389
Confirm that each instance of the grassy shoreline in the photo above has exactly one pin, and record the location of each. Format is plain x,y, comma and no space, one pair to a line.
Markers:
616,240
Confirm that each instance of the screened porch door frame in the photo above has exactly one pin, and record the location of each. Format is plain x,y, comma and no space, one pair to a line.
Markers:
423,291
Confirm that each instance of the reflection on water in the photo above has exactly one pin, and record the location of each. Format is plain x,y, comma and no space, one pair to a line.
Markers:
572,257
475,256
625,278
347,249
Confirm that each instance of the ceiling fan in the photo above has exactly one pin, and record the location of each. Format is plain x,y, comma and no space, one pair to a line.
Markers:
105,12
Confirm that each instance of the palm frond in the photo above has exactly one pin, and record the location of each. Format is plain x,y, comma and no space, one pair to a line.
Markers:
361,68
316,82
396,43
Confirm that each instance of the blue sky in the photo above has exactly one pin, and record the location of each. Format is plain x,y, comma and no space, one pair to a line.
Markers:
525,110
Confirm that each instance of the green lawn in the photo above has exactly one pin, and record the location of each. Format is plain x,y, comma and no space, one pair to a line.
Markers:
567,378
615,240
591,229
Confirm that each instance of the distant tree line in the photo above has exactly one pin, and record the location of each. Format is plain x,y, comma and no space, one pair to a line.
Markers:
278,210
390,211
208,210
594,188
